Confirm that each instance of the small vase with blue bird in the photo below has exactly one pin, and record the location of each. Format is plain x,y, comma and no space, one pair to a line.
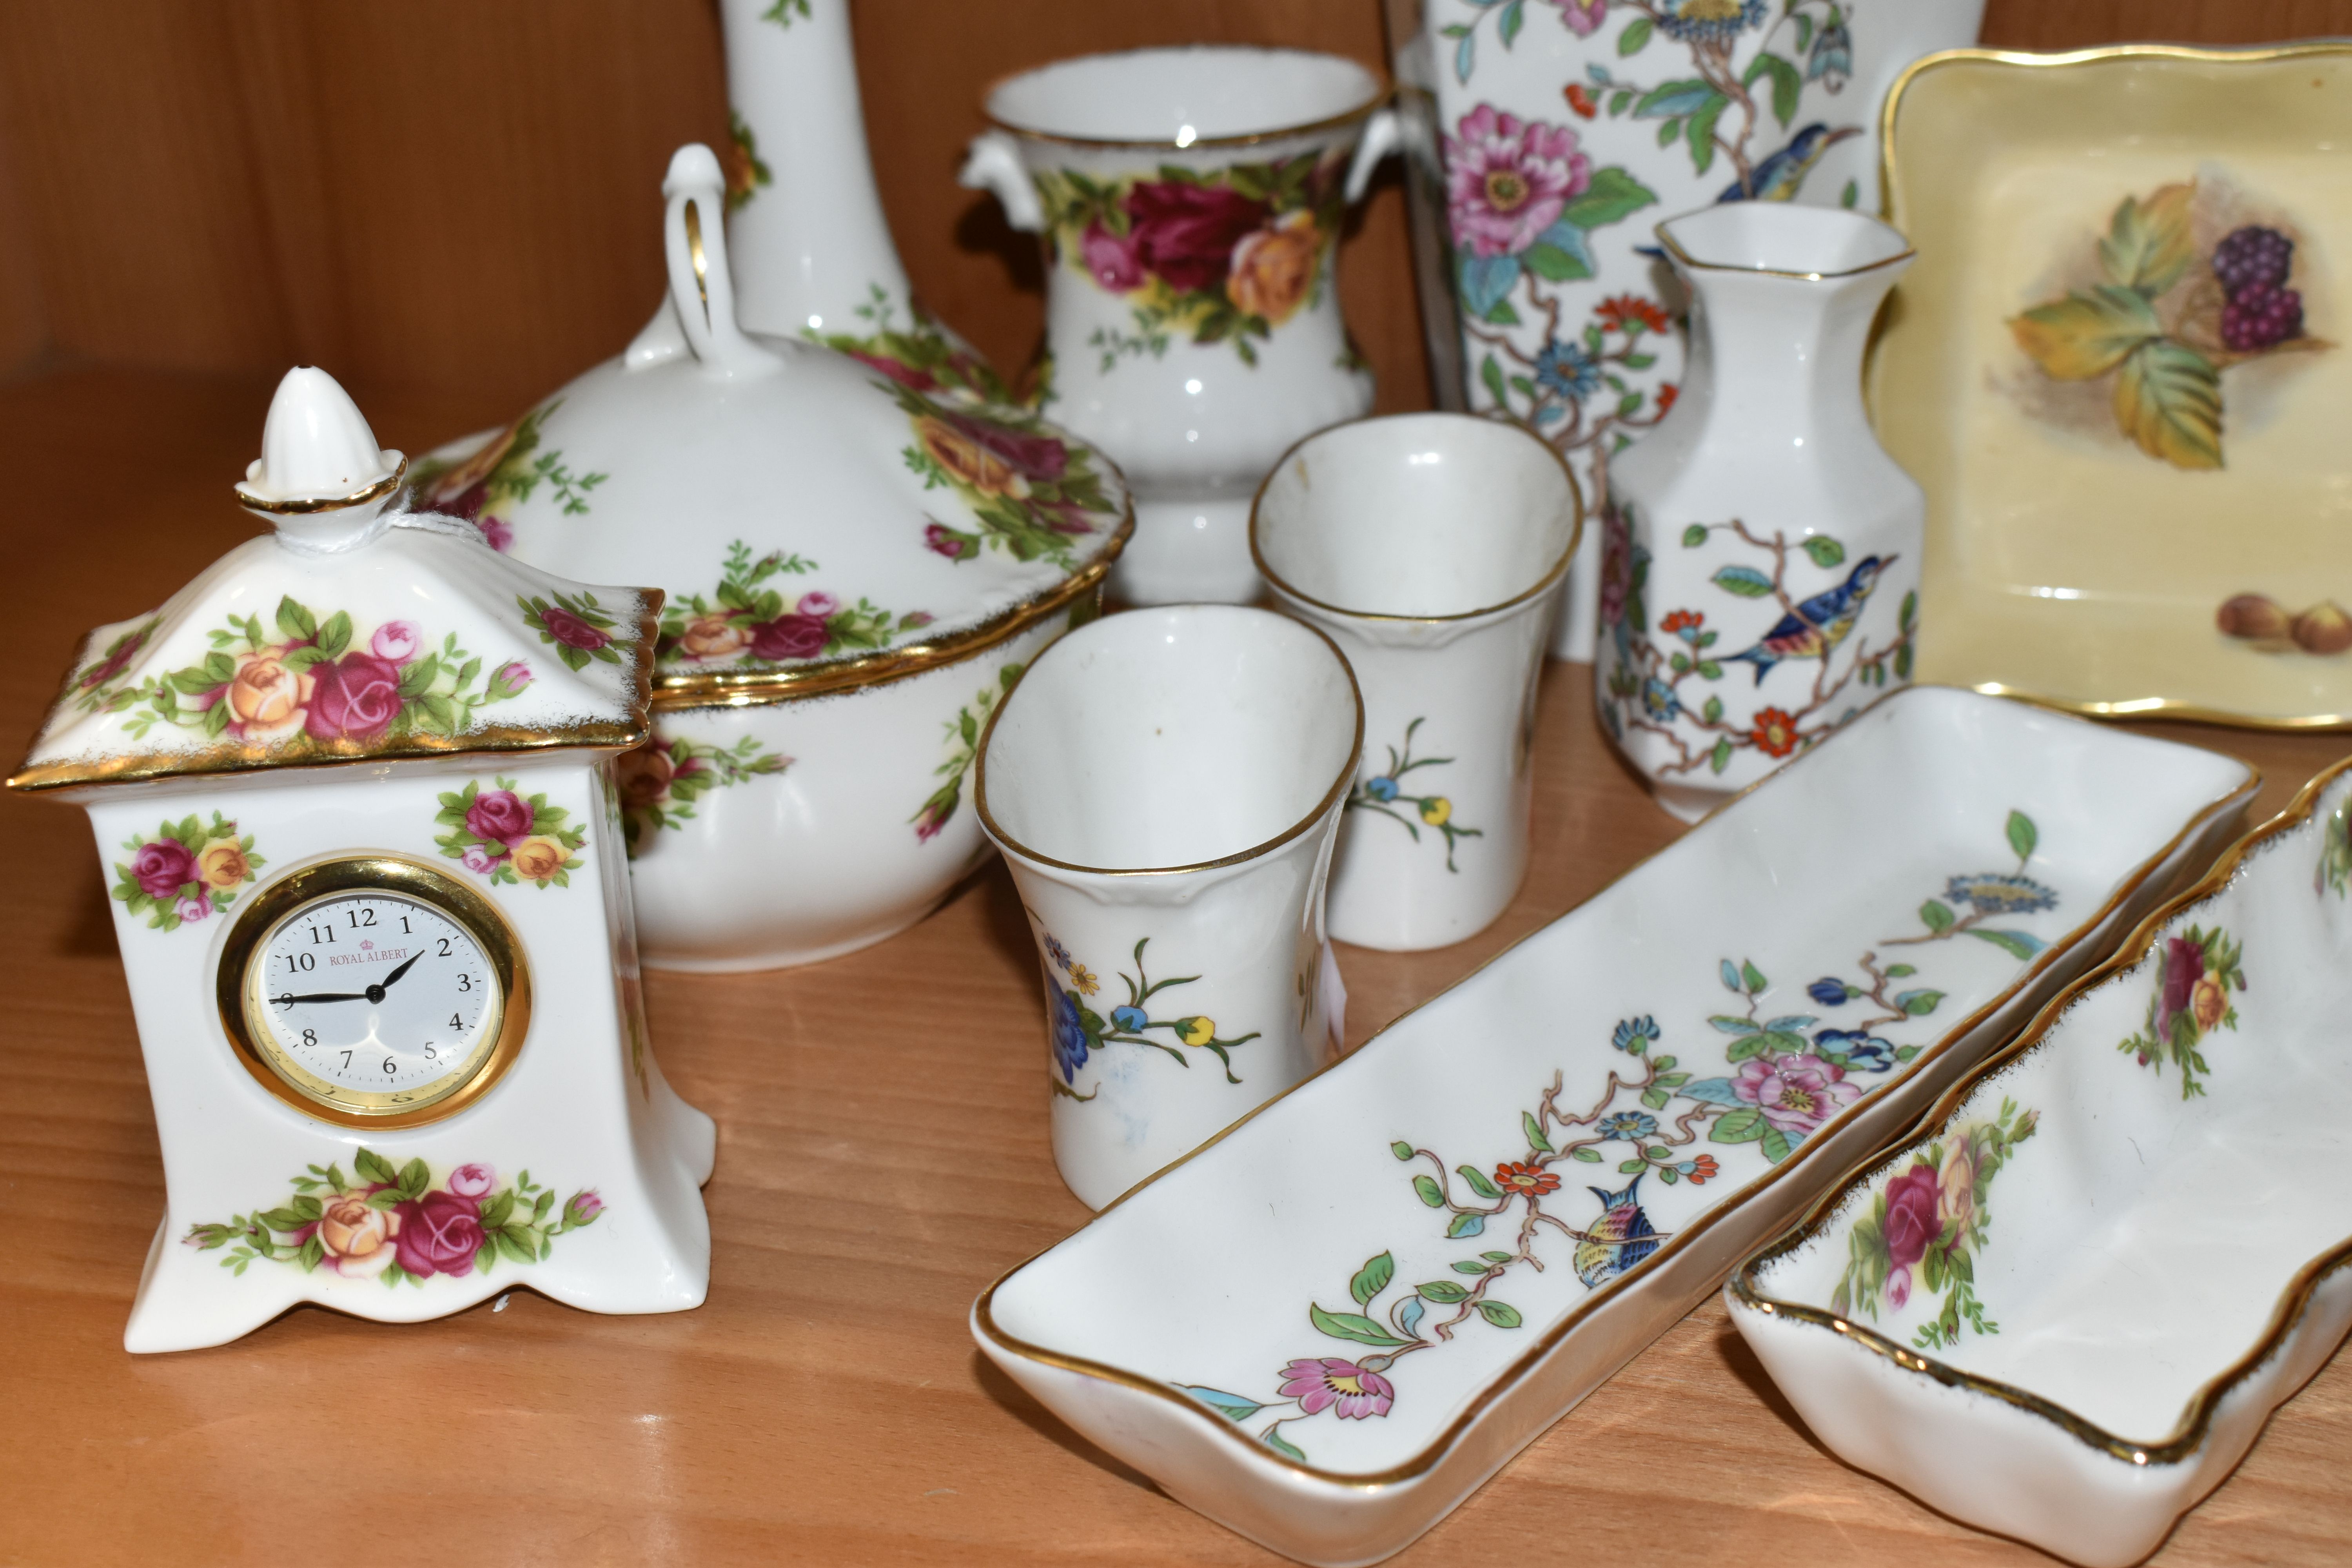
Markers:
1760,551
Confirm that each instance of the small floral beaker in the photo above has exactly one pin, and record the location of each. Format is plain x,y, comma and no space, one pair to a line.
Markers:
1166,786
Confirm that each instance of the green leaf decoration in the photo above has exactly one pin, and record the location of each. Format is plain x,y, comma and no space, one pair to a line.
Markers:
1232,1406
1431,1192
2169,399
1611,197
1536,1139
2016,944
1633,1167
1694,536
1776,1145
1917,1004
295,621
1636,34
2149,245
1288,1450
1491,374
1824,551
372,1166
2022,836
1698,131
1477,1181
1752,977
1499,1314
1445,1292
1554,264
1744,1125
1463,1225
1720,758
1372,1277
1469,1266
1935,915
1898,971
2086,335
1787,84
1349,1326
1674,100
1744,580
1402,1150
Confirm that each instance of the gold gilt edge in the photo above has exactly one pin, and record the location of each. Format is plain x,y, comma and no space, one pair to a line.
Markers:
1439,1448
489,739
1890,202
675,692
2195,1423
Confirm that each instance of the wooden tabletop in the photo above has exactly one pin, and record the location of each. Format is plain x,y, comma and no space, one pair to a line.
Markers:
882,1157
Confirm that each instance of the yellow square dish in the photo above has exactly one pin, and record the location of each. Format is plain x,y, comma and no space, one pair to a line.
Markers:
2120,369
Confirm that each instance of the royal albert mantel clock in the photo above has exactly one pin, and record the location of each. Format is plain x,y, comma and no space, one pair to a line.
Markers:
354,797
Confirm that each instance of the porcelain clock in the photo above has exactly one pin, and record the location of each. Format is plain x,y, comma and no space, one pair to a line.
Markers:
374,992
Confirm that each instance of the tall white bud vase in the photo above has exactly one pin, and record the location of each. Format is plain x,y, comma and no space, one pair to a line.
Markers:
1760,551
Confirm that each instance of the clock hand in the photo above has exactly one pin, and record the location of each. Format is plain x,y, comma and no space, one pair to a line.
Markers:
396,973
289,997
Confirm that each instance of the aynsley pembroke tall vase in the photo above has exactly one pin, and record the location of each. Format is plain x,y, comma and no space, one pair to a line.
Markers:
1546,137
1760,551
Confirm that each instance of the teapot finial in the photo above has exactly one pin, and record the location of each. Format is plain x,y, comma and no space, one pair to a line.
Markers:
320,473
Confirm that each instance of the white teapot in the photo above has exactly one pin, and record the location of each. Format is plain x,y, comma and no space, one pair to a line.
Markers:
858,561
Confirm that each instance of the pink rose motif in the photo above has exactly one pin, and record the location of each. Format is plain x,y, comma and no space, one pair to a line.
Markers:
2184,966
933,817
474,1181
480,861
1320,1382
355,697
1186,233
913,619
100,674
944,540
1795,1093
510,679
1582,17
1112,259
495,532
570,630
1898,1288
192,909
821,606
439,1234
163,869
899,371
396,641
499,815
584,1206
1507,180
788,636
1032,457
1911,1223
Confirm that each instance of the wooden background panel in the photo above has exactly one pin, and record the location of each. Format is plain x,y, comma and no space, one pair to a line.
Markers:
462,196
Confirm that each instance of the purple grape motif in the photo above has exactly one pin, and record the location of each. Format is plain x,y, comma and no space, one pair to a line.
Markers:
2253,258
2251,265
2261,317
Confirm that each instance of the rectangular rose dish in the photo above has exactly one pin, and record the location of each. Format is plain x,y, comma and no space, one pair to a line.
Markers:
1330,1326
2165,1272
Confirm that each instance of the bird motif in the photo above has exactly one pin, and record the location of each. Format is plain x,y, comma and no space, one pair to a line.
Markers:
1818,624
1629,1232
1777,177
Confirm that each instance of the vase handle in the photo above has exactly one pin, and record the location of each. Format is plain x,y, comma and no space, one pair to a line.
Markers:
1383,134
992,164
701,287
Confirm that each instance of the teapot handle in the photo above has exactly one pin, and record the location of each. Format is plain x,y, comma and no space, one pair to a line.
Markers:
701,287
992,164
1383,134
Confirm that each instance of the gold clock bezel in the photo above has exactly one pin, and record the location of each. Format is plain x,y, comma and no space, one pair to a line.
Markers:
272,906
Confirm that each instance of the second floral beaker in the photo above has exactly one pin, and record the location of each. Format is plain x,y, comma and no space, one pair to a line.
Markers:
1428,545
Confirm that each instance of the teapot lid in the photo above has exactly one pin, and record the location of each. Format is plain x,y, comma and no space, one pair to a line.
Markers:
353,631
819,517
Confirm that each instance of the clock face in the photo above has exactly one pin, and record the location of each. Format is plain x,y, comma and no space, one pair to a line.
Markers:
376,990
